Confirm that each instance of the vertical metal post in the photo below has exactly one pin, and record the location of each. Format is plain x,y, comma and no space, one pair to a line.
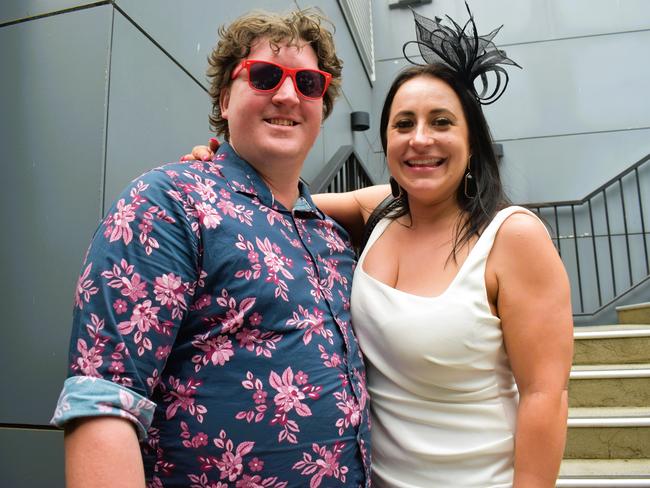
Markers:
575,245
645,244
593,243
609,240
627,235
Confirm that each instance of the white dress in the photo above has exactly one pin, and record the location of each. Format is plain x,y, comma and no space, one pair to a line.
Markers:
443,397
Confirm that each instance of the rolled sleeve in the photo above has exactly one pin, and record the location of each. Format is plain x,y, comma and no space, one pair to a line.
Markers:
85,396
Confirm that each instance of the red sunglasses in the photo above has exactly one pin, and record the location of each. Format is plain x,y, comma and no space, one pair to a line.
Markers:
268,77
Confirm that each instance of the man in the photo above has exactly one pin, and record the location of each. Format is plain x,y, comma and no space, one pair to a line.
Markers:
211,342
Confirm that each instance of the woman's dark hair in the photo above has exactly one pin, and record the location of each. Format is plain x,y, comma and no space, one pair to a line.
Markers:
486,195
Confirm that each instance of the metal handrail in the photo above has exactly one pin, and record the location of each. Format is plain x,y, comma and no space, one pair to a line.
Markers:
344,172
607,238
623,173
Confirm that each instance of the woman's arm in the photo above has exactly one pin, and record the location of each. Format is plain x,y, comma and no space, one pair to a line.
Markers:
352,209
534,304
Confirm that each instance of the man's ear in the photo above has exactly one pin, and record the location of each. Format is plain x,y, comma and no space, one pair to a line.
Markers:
224,101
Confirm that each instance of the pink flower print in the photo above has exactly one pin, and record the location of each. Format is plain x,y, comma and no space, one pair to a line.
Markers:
259,396
90,359
325,465
247,481
145,226
255,319
301,378
235,315
169,290
120,306
332,361
289,396
182,396
124,215
116,367
262,343
350,408
162,352
84,288
208,216
227,207
273,258
205,190
231,466
134,288
200,440
224,194
202,482
218,350
311,323
144,316
256,465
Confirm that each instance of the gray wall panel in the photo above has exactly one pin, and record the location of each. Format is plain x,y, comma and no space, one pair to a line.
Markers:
22,9
31,459
52,134
567,168
156,112
525,21
188,30
573,86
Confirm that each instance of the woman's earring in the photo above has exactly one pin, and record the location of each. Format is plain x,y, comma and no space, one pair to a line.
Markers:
395,189
469,180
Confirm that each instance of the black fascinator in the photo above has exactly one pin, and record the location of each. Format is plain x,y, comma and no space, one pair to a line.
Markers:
463,50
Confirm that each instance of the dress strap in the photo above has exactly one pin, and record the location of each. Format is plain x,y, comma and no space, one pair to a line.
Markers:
485,242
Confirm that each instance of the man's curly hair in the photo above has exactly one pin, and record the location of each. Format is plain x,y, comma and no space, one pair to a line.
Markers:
237,38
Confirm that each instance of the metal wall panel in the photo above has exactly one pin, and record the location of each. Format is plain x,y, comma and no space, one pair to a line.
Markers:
578,85
31,459
11,10
524,21
52,94
156,112
570,167
188,30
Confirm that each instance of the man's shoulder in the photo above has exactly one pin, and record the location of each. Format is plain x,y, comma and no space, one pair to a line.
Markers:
181,176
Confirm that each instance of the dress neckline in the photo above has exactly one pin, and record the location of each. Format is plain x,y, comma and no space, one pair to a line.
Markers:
374,237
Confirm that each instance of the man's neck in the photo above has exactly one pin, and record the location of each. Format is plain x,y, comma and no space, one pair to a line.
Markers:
284,187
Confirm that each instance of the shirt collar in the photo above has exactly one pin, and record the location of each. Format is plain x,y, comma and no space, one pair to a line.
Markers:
243,178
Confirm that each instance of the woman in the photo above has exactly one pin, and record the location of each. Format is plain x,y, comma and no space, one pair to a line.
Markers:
460,303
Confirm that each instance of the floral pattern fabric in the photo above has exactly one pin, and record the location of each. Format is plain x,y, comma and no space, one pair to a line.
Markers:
218,322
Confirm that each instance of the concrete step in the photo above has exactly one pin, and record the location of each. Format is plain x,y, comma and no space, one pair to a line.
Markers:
606,473
608,433
634,314
612,344
612,385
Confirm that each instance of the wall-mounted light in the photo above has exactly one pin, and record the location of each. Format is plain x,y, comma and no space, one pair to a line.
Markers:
407,3
360,121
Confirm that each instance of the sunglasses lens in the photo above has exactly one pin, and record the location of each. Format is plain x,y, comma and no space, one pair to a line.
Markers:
264,76
310,83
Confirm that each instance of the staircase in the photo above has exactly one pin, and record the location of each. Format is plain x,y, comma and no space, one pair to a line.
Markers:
608,440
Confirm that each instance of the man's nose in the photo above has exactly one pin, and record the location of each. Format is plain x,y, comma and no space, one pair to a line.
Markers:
286,93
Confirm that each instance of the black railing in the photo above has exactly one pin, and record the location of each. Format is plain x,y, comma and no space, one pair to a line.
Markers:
344,172
603,238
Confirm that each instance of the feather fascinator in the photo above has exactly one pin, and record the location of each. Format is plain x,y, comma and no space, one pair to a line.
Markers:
463,50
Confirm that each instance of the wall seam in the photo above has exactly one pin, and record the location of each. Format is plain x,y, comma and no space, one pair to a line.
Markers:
159,46
107,116
54,13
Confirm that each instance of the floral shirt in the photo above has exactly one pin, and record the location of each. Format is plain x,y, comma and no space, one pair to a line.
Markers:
218,322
